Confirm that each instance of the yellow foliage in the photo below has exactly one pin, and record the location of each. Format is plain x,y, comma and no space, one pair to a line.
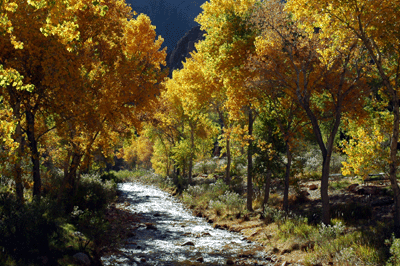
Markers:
368,148
89,69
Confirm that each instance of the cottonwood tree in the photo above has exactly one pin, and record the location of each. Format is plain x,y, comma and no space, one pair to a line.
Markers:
325,88
26,50
228,42
92,65
375,24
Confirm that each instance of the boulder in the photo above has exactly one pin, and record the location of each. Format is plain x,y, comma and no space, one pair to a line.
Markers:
229,262
367,190
352,188
82,258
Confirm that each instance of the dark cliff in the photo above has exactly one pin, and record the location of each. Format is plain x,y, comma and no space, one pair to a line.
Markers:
172,18
183,48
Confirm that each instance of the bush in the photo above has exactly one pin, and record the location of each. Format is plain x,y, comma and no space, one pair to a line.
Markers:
229,201
239,166
296,228
273,215
331,231
233,201
110,176
218,188
29,230
347,249
394,252
205,167
195,191
94,194
201,196
217,206
93,225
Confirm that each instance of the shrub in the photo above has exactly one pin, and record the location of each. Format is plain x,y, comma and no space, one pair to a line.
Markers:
273,215
218,188
188,199
203,196
195,191
233,201
296,227
394,252
217,206
238,166
331,231
205,167
229,201
347,249
93,225
93,194
29,230
110,176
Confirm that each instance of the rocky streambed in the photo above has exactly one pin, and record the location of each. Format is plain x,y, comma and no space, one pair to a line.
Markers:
168,234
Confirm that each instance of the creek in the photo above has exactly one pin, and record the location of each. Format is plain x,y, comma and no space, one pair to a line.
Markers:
170,235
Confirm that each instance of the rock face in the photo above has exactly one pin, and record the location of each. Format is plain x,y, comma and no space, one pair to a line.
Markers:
172,18
183,48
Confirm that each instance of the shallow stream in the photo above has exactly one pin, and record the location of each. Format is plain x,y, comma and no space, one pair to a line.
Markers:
170,235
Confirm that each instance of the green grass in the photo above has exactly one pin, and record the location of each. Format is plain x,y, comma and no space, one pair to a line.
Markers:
339,184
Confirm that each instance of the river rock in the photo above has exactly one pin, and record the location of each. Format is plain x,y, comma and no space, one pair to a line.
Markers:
352,188
200,259
82,258
229,262
313,187
189,243
150,226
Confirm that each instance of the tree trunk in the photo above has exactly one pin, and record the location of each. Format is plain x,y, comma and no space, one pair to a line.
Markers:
16,106
228,147
287,177
326,151
191,156
68,188
393,162
267,189
228,162
71,181
250,165
326,216
37,186
392,92
19,188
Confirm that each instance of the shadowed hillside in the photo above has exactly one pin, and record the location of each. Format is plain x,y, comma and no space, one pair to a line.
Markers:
173,18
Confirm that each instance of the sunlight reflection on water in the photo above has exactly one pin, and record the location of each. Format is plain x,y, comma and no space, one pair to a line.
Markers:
178,238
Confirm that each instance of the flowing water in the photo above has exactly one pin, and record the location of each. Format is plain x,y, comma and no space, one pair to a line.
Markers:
170,235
